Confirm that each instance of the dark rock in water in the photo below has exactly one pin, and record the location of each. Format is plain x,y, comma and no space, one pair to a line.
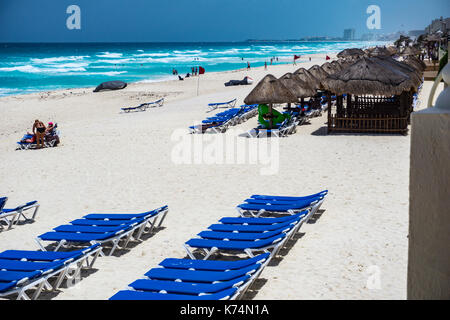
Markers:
110,85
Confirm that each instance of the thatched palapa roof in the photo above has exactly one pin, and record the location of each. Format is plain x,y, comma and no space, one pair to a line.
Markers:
369,77
270,90
416,63
318,72
331,67
389,62
298,87
393,50
380,52
351,53
307,77
411,51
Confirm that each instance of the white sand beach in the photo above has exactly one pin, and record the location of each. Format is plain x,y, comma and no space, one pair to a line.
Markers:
115,162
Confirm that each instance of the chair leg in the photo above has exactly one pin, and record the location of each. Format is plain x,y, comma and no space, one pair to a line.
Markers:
163,217
40,244
189,253
210,252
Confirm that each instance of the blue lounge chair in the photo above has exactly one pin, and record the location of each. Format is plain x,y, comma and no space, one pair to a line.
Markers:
12,216
143,295
104,228
21,270
321,194
258,205
241,235
196,280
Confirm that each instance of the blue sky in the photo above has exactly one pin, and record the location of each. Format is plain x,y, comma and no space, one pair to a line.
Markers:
206,20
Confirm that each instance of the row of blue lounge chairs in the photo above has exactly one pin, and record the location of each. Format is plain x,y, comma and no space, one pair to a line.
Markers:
203,279
220,122
189,279
21,271
144,106
11,217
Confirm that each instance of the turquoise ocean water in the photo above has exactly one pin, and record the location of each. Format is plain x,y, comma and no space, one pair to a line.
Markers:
26,68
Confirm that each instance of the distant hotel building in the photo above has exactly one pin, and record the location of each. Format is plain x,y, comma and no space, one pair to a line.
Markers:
349,34
441,24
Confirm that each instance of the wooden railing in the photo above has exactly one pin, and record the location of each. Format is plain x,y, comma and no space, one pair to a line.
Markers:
372,123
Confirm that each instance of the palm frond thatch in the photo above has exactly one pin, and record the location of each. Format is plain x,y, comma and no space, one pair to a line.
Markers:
380,52
411,51
404,67
331,67
416,63
298,87
270,90
307,77
318,72
369,77
351,53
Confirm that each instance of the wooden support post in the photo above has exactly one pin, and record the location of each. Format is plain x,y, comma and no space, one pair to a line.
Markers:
329,111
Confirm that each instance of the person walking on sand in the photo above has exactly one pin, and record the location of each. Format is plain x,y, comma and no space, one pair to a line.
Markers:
39,130
248,65
265,65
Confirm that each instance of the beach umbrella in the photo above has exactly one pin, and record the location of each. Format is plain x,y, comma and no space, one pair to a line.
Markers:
307,77
300,88
368,76
411,51
353,52
331,68
416,63
380,52
269,91
393,50
318,72
336,65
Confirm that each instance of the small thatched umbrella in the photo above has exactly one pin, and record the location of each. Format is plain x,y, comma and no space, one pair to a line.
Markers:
416,63
336,65
368,76
393,50
307,77
297,86
347,53
331,68
318,72
380,52
345,63
411,51
269,91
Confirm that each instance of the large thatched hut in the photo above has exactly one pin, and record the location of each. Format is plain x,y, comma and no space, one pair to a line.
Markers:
416,63
373,95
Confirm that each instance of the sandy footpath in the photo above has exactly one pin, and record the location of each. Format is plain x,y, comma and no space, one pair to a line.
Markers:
113,162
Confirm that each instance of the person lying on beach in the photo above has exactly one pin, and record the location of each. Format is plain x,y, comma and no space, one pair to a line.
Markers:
39,130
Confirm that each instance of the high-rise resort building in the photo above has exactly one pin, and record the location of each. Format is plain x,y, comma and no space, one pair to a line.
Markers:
349,34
